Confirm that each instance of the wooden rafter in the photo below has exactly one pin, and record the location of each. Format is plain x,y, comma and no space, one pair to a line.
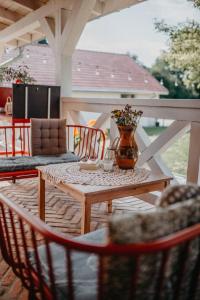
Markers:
31,21
81,11
9,16
28,4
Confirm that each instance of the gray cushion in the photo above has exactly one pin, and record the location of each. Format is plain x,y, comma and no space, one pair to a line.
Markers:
19,163
178,193
84,267
48,136
144,227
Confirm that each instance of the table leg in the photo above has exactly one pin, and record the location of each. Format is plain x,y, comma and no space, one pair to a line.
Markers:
41,199
167,182
86,217
109,206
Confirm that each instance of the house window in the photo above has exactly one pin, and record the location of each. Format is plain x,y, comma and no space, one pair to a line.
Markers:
127,96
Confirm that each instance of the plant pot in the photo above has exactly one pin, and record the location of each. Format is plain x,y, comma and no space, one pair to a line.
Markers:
18,81
127,150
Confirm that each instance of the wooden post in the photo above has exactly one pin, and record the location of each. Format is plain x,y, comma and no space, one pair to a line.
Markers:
86,217
41,197
194,154
109,206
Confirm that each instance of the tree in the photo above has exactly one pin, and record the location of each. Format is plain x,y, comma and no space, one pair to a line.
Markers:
183,54
196,3
172,80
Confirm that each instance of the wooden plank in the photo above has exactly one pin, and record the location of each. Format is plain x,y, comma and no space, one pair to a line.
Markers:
114,132
85,217
77,118
28,4
9,15
101,120
48,32
81,11
180,110
164,141
103,8
193,170
41,195
155,163
31,21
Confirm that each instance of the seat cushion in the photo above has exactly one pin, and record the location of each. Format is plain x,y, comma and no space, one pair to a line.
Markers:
48,136
84,267
145,227
178,193
21,163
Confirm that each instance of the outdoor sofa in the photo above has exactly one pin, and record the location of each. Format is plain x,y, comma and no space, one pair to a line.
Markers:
50,141
145,255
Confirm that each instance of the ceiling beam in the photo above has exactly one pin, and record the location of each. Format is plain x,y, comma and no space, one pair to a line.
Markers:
98,8
48,32
113,5
28,4
31,21
81,11
27,38
104,8
9,16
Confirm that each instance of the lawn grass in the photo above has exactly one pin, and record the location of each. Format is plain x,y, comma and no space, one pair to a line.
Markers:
176,157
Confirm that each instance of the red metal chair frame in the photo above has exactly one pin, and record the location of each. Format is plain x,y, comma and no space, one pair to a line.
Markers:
89,146
18,230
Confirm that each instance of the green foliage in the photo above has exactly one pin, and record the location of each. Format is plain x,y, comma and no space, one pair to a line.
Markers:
184,49
126,116
173,80
20,73
196,3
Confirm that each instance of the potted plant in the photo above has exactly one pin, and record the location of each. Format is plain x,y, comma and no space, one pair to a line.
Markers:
17,75
126,150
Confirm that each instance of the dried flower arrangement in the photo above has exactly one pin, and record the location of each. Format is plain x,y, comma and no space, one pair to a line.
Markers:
17,75
126,116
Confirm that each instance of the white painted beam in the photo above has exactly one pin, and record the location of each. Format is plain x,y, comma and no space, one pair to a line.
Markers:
164,140
8,15
48,32
155,163
81,12
77,118
28,4
101,120
109,6
193,170
31,21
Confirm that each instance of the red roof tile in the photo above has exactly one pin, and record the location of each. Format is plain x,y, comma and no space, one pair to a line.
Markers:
91,70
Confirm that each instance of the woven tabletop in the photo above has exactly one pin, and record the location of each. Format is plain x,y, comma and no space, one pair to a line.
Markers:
71,173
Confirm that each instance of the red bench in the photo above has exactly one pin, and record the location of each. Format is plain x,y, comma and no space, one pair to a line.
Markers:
15,142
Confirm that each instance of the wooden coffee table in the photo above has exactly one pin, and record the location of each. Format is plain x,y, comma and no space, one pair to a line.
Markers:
89,195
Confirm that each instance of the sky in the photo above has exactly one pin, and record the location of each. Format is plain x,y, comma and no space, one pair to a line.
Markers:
132,30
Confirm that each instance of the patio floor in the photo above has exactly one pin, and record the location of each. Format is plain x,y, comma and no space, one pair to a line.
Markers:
63,214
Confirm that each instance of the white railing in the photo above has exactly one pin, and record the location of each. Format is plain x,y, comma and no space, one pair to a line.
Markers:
184,113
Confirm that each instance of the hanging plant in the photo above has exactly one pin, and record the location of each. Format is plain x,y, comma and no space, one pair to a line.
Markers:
16,75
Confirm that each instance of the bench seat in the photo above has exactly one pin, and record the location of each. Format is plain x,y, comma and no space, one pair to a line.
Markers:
24,163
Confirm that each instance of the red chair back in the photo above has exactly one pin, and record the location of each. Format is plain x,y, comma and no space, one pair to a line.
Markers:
86,142
22,234
82,140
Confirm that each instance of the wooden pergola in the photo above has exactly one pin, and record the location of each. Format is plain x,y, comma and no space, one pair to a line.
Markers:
60,21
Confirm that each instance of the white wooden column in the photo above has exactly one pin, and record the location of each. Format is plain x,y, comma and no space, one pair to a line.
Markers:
66,76
193,171
63,34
